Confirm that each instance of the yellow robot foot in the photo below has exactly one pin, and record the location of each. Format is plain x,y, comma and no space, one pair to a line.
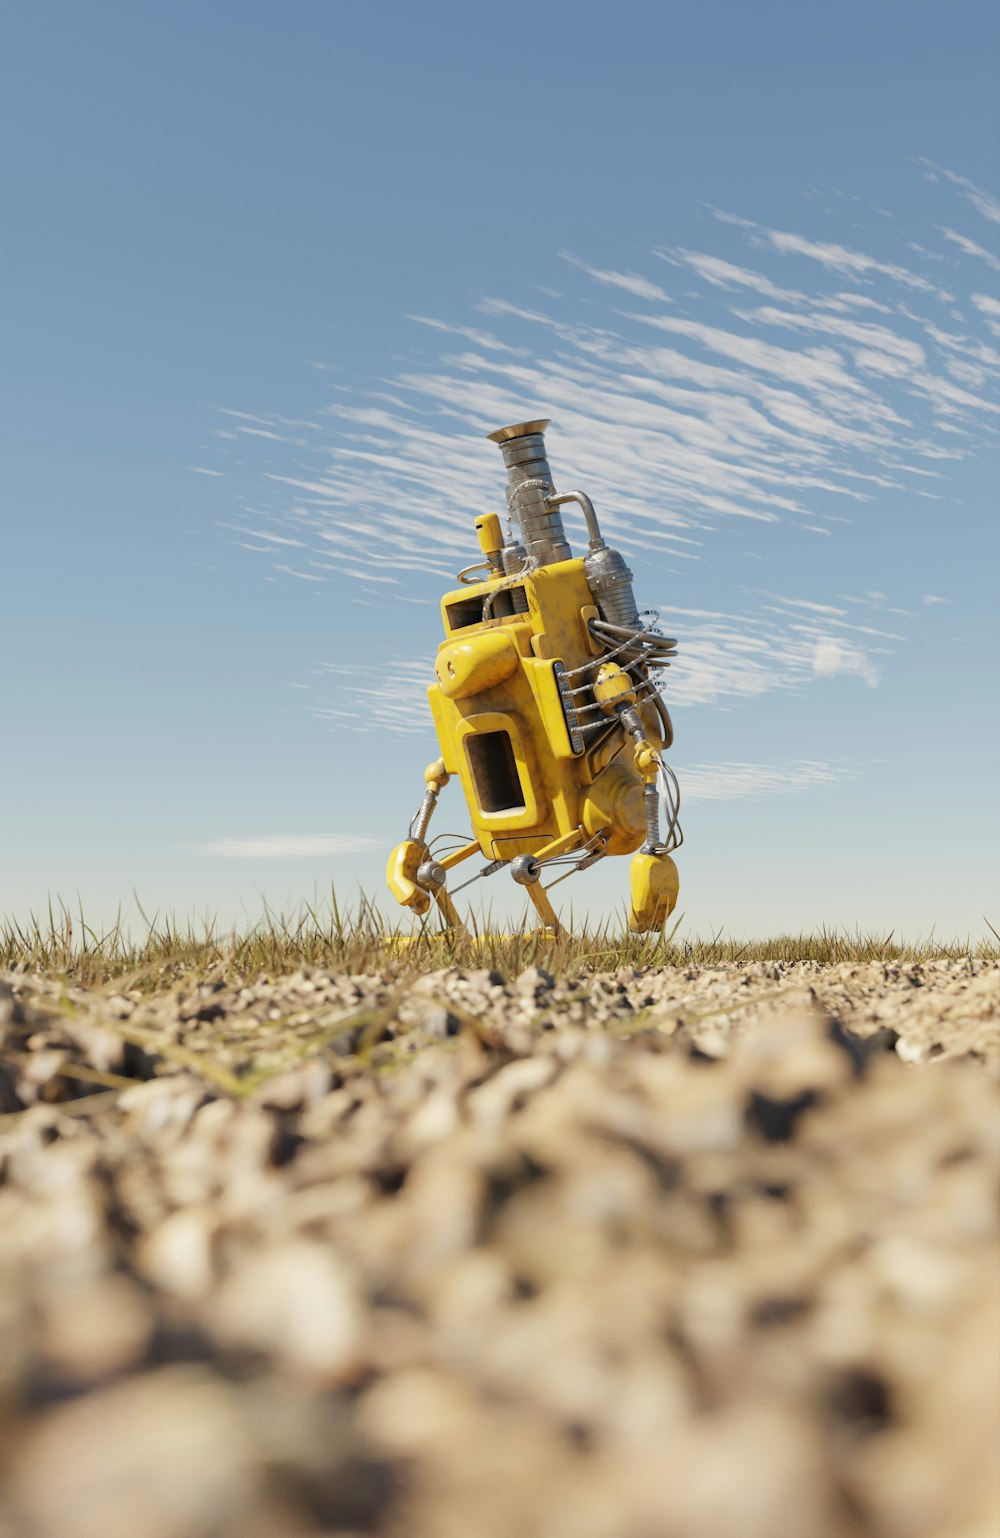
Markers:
655,884
401,875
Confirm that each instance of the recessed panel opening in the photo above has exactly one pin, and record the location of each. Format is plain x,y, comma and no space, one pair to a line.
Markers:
465,612
494,772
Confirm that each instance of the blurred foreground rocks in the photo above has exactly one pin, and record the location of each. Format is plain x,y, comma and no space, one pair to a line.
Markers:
645,1255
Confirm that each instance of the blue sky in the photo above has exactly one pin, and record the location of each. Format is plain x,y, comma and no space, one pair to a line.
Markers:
271,273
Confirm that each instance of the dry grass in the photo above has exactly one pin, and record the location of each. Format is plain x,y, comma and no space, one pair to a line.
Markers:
362,940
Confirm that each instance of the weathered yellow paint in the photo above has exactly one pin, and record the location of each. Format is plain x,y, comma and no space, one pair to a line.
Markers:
507,730
655,885
472,666
613,687
490,533
613,806
401,875
558,789
448,861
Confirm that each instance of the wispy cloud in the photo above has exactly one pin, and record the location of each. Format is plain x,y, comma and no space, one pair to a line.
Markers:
245,416
290,846
263,432
989,307
837,258
631,282
982,201
723,274
971,248
736,781
387,696
832,655
473,334
303,576
273,539
933,598
899,353
712,425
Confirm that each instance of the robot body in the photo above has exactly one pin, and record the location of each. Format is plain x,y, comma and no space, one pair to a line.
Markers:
542,686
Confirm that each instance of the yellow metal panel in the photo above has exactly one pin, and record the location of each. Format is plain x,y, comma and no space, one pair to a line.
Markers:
504,680
655,884
613,806
508,848
486,723
542,682
490,533
401,875
474,665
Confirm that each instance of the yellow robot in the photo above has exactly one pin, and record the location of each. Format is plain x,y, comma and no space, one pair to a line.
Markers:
547,709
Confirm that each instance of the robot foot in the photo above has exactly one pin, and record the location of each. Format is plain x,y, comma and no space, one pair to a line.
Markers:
401,875
655,884
413,879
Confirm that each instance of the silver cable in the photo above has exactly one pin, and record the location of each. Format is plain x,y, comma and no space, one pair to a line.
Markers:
530,565
487,870
596,845
531,561
645,690
614,650
670,799
454,841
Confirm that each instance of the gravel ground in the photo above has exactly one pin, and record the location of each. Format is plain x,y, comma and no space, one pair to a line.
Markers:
647,1255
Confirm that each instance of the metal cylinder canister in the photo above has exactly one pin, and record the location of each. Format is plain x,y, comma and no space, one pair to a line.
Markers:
610,581
613,805
523,448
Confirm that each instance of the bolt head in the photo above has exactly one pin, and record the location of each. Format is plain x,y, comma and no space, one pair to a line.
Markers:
431,875
525,869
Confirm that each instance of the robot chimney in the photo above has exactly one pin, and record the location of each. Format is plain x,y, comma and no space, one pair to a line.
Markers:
532,498
529,488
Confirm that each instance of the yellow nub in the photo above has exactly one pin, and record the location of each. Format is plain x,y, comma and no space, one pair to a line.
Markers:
490,533
647,760
613,688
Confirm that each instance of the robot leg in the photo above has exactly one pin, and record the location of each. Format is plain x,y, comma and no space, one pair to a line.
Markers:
652,873
526,870
412,876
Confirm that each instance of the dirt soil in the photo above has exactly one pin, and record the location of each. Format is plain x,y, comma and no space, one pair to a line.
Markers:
648,1255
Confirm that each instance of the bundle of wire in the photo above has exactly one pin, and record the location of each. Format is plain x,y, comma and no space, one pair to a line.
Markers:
642,650
630,643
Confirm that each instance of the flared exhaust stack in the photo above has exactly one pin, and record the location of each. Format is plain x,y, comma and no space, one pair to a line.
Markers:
533,501
529,486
